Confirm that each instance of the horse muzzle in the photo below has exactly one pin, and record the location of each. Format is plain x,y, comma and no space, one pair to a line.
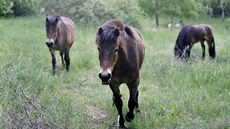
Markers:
105,77
50,44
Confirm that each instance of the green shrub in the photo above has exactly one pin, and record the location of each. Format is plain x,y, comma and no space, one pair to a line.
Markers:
95,12
18,7
5,7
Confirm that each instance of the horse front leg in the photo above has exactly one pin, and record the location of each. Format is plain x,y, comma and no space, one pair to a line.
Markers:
62,59
52,52
203,49
119,104
133,100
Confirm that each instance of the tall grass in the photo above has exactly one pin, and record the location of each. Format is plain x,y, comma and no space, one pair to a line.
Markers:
173,94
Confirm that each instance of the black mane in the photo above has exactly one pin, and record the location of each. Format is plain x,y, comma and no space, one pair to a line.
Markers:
108,36
182,39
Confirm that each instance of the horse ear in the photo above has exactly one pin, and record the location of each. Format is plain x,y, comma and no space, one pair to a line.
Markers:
116,32
57,19
100,30
47,19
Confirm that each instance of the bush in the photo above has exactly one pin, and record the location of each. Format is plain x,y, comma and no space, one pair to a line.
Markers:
24,7
18,7
88,11
5,7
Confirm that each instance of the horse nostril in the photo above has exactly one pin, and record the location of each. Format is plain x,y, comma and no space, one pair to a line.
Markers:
105,76
49,44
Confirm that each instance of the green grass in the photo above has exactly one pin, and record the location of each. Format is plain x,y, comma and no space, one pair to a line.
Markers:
173,94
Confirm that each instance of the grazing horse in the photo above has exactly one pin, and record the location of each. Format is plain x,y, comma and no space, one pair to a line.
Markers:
60,36
191,34
121,54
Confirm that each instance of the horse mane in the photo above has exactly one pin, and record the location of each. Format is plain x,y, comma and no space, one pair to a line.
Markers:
108,29
107,36
182,37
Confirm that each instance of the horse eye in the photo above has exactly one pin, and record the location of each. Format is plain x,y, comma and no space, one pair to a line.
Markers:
98,48
116,50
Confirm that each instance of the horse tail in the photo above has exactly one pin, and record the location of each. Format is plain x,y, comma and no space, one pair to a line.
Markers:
212,51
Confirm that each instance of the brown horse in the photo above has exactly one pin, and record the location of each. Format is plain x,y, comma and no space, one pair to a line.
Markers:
121,54
60,36
191,34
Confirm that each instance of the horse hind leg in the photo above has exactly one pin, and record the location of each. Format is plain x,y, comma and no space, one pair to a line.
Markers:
67,60
62,59
133,101
137,104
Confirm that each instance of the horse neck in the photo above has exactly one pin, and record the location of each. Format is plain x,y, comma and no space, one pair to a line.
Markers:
128,56
61,33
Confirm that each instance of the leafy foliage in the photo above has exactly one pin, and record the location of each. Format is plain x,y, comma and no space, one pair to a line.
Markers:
173,8
18,7
24,7
5,7
98,11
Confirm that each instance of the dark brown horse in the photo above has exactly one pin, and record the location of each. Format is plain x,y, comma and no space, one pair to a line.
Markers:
60,36
191,34
121,54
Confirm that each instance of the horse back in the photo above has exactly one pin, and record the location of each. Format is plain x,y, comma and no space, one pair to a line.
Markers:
135,40
66,32
203,32
140,45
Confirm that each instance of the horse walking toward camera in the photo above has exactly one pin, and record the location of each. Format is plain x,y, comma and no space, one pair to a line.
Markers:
60,36
121,54
191,34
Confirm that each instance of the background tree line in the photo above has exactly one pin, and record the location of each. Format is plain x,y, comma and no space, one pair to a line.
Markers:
93,11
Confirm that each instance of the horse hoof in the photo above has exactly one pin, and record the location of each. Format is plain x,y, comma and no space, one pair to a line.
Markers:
122,126
138,110
54,72
129,117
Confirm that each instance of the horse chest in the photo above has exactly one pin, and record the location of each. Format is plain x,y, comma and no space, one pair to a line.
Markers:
60,45
124,74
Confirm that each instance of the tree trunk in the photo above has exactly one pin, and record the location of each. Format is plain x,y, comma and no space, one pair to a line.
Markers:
171,22
222,14
157,19
156,11
223,4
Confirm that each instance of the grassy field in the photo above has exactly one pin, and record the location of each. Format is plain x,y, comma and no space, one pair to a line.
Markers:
192,95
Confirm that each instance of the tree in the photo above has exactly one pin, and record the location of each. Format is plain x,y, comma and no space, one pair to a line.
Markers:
182,8
95,11
152,8
18,7
171,8
223,5
218,7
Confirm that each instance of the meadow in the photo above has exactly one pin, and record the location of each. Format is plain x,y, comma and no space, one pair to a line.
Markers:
173,94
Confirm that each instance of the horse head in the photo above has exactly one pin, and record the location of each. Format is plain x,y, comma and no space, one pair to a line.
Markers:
51,30
181,49
108,48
